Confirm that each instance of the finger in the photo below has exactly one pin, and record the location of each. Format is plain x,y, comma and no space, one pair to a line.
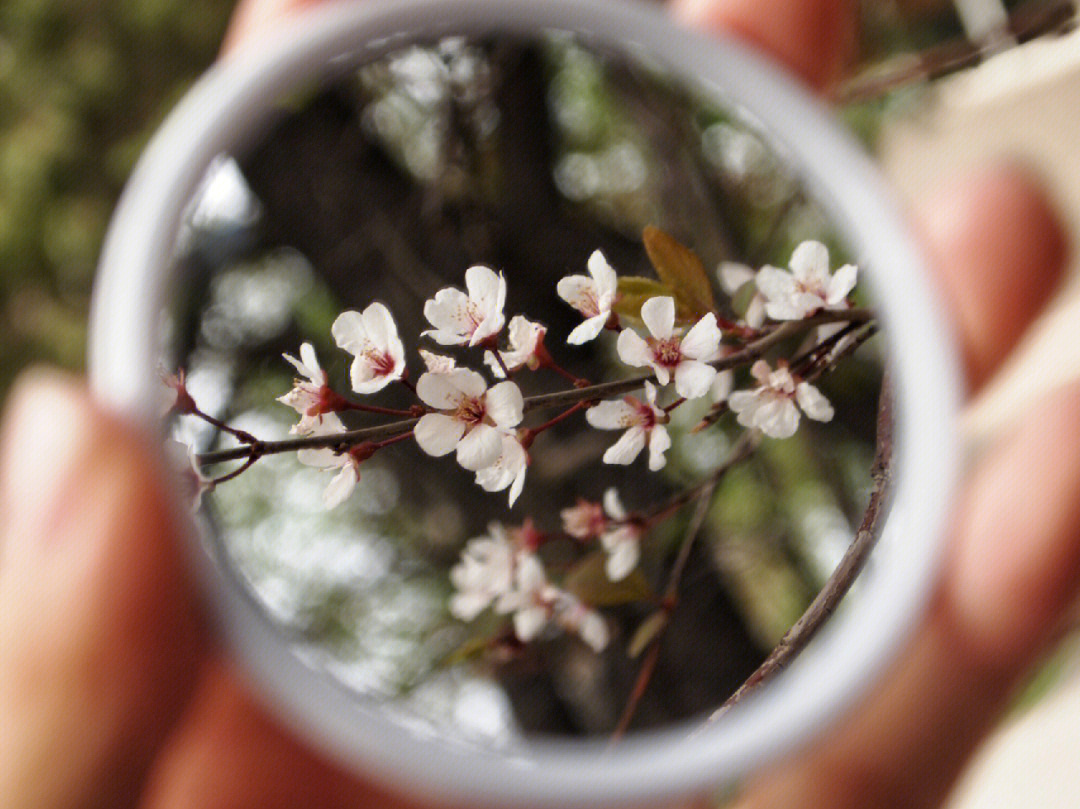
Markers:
227,753
815,38
97,633
1014,571
254,18
1001,252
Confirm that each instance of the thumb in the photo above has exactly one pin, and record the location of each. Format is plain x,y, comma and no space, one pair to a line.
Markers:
99,638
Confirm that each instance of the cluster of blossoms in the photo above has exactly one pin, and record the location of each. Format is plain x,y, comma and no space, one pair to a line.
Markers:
458,412
502,571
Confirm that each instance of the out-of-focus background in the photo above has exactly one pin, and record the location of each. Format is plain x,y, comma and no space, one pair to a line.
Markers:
941,85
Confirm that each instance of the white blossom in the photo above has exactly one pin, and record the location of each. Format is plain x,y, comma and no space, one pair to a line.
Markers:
733,277
643,422
621,541
525,338
437,363
372,338
808,287
685,358
771,407
584,520
496,572
484,575
468,318
536,603
508,470
592,295
472,420
722,385
346,464
306,394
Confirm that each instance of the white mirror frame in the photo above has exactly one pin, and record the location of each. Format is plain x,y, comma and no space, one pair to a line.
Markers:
227,109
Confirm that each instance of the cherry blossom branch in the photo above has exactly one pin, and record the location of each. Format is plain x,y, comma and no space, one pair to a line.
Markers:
744,356
566,398
823,606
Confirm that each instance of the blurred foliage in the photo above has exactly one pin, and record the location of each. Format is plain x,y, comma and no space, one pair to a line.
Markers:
82,85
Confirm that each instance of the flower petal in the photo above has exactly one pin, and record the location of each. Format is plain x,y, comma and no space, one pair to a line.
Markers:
587,330
529,622
593,631
702,342
659,316
632,348
810,263
733,275
348,330
841,284
438,434
774,283
612,414
450,313
692,378
341,486
311,363
812,402
626,449
607,281
380,326
623,559
659,443
613,506
722,385
439,390
579,291
778,418
480,447
505,404
437,363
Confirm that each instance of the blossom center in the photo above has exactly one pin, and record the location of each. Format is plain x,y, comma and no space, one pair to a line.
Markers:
667,352
589,304
382,364
470,410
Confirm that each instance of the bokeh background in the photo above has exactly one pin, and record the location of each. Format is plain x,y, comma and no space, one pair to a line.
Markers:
940,85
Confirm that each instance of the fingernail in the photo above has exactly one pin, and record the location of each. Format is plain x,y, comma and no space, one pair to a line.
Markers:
45,438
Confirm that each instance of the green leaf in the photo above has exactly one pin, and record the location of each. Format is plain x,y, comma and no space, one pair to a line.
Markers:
740,300
589,582
647,631
682,271
633,291
473,647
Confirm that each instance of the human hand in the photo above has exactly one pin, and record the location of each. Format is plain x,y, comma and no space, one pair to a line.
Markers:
107,671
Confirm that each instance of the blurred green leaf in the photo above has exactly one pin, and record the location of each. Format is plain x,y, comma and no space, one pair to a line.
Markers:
633,292
647,631
589,582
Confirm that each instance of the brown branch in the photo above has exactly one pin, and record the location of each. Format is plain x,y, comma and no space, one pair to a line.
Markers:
850,565
565,398
1025,23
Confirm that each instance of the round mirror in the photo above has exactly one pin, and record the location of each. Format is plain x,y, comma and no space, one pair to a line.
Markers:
529,365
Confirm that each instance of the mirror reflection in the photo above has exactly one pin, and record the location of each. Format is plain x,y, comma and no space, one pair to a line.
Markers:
528,389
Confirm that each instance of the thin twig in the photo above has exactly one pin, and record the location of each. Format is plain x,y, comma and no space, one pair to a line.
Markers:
1025,23
796,638
746,444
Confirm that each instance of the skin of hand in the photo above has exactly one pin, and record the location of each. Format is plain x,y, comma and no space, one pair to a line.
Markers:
113,695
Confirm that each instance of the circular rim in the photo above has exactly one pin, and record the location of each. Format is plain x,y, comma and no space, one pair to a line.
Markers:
228,106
